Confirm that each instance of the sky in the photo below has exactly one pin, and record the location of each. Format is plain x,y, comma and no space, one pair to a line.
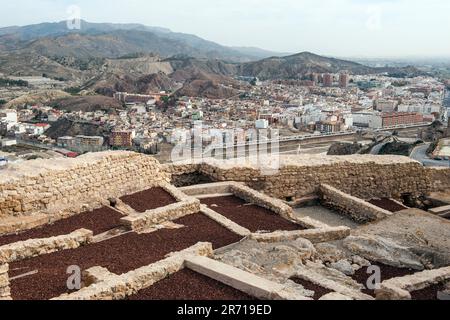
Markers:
343,28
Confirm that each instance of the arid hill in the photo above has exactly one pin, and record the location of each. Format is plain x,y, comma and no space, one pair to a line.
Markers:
87,104
40,98
65,127
105,58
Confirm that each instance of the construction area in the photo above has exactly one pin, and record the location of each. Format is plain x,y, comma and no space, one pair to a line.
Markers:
122,226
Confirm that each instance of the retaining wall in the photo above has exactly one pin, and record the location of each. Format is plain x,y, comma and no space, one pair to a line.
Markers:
353,207
364,176
35,247
440,179
5,291
148,219
109,286
68,184
401,288
76,185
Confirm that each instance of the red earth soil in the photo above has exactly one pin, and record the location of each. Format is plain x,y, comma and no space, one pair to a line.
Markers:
190,285
149,199
119,255
388,204
428,294
98,221
387,272
319,291
252,217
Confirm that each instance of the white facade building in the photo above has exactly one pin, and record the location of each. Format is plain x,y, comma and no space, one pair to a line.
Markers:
370,120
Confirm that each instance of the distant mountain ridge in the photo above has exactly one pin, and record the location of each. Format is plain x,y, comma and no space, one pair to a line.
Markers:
106,57
297,65
137,37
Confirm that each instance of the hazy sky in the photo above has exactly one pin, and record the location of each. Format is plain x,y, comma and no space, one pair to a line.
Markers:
332,27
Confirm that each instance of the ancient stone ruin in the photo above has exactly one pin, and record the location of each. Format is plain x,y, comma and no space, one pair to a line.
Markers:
119,225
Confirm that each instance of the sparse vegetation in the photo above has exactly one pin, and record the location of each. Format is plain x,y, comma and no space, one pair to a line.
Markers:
73,90
12,83
132,56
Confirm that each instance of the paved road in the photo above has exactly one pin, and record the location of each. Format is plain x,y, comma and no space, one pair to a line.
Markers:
420,154
376,150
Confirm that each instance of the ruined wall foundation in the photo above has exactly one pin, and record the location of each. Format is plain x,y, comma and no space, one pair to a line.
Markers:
5,291
62,186
363,176
68,184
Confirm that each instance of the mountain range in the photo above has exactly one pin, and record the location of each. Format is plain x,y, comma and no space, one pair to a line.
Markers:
115,40
106,57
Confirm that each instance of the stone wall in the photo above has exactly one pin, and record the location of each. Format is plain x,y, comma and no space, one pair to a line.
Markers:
314,235
356,209
69,184
5,291
76,185
151,218
36,247
109,286
440,179
401,288
262,200
364,176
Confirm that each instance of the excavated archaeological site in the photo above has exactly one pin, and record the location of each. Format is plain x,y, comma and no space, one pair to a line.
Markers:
317,229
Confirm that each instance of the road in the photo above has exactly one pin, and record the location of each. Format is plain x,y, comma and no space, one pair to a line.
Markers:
376,150
420,154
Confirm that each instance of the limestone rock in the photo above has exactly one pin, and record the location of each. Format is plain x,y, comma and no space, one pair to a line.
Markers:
343,266
329,253
334,296
384,251
360,261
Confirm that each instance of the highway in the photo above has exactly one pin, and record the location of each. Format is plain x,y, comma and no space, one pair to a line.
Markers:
311,137
420,154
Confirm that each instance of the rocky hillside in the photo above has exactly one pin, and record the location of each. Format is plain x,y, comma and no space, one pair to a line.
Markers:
105,58
41,98
66,127
296,66
87,104
113,40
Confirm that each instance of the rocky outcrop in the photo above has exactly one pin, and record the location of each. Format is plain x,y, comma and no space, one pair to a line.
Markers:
344,149
384,251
